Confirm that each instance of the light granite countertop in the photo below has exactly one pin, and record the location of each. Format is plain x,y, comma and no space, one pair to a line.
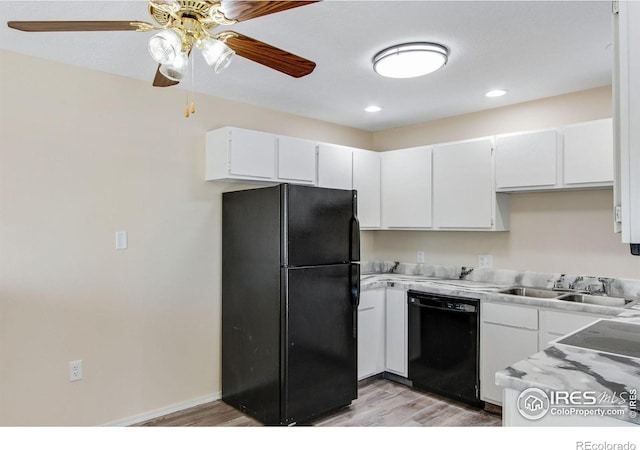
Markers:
567,368
482,290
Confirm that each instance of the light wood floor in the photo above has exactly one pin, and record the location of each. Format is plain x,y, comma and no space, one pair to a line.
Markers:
380,403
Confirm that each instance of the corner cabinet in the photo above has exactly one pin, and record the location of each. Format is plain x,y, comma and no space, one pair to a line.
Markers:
626,97
406,188
366,180
334,166
237,154
464,196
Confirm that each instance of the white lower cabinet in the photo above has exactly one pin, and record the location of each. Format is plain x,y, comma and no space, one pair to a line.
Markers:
508,334
397,333
371,333
555,324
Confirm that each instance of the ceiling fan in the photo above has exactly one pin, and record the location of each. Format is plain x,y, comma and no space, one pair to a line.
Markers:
183,24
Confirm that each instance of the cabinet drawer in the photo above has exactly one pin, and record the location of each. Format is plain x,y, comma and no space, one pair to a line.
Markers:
562,323
515,316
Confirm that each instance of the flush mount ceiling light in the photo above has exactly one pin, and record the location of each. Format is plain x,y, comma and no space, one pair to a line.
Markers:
410,60
373,108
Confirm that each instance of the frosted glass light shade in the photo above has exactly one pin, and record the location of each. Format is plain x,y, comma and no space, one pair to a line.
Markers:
177,69
410,60
165,46
216,53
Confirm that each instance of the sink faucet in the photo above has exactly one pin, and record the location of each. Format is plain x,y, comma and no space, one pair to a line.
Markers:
601,288
557,283
572,285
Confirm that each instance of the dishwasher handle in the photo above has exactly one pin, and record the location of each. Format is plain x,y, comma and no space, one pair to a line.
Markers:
444,305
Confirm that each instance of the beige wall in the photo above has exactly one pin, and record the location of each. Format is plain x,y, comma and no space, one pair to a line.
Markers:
569,232
82,155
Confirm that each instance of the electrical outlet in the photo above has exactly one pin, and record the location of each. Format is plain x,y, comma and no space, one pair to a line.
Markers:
420,257
485,261
75,370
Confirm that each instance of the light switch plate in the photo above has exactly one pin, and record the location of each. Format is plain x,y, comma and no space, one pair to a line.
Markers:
420,257
121,240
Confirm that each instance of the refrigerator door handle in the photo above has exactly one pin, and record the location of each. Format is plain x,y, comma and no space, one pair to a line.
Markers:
354,239
354,281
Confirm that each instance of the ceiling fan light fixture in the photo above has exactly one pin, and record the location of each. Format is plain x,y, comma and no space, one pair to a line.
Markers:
410,60
165,46
177,69
216,53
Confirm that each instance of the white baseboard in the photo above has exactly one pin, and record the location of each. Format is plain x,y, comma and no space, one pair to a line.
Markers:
163,411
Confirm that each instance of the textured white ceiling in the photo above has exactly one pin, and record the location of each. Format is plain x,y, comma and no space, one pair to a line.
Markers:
534,49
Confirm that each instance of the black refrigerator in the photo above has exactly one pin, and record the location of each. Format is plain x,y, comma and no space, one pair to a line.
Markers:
290,293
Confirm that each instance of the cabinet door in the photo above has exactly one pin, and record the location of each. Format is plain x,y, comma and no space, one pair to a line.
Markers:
371,333
252,153
588,152
526,160
463,192
555,324
626,91
396,339
334,166
406,188
296,160
501,346
366,180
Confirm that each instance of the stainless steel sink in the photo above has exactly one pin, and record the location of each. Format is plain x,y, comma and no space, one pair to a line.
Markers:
523,291
577,297
595,299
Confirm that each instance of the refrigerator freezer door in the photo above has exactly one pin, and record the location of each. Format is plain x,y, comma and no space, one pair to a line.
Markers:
322,226
321,360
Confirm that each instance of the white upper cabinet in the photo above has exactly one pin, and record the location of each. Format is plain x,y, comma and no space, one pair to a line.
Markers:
296,160
588,153
366,180
236,153
463,185
626,99
406,188
571,157
525,160
334,166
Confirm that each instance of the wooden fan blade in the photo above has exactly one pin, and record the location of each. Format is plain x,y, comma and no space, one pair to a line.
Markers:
245,10
66,25
269,56
162,81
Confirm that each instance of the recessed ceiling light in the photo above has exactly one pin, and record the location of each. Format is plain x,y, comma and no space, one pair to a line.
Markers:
373,108
410,60
496,93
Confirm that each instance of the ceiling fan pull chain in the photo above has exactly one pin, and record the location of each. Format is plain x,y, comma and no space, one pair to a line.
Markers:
193,103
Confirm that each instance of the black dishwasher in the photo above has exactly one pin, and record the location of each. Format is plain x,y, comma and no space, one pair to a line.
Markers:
444,344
